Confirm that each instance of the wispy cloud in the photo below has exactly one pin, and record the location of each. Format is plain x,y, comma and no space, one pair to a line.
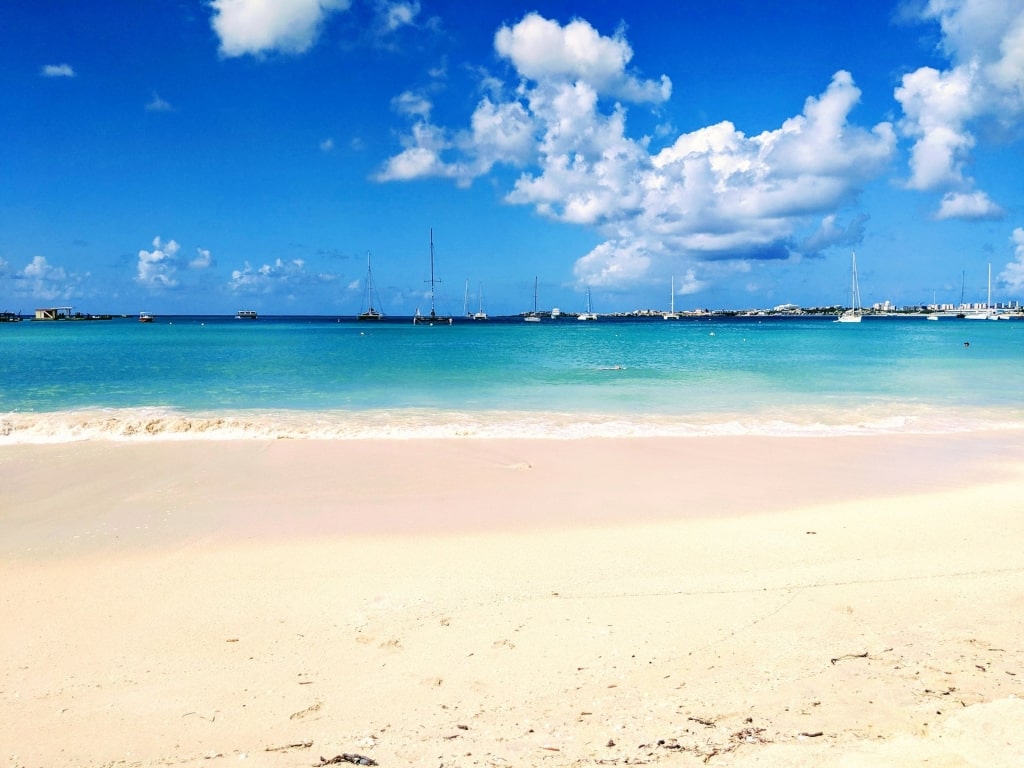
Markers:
1013,275
202,260
157,104
265,26
57,70
395,15
278,277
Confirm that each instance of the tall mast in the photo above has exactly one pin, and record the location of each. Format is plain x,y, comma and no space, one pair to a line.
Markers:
369,283
432,272
854,301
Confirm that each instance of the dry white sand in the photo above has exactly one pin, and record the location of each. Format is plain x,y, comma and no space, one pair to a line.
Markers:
735,601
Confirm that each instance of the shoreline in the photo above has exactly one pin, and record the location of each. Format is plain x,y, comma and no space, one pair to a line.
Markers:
167,424
732,601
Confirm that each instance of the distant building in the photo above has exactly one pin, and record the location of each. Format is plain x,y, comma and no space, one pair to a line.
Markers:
53,313
787,308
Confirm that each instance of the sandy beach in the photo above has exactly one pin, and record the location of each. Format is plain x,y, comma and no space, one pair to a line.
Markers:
854,601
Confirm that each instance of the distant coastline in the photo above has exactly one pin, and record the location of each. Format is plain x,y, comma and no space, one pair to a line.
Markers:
1006,310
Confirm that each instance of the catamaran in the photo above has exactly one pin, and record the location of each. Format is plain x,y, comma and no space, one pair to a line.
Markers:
854,313
989,312
433,318
370,313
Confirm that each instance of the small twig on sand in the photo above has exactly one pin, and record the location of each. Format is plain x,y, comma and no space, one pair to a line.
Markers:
286,747
850,656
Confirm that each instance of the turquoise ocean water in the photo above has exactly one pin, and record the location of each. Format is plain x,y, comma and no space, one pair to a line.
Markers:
217,377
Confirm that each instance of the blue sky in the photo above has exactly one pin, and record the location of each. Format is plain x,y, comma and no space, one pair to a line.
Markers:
205,156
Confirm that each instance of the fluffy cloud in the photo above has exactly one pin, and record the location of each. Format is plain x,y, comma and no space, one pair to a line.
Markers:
984,41
260,26
542,50
156,268
713,194
716,193
57,70
1013,275
968,205
421,156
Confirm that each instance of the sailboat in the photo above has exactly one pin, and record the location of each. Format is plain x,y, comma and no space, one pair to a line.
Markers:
589,314
854,313
534,316
671,314
433,317
370,313
480,314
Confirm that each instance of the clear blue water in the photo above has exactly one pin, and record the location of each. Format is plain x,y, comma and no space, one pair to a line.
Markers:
317,377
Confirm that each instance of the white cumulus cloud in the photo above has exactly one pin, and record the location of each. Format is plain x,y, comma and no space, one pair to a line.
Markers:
543,50
260,26
712,194
984,41
156,268
968,205
42,280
